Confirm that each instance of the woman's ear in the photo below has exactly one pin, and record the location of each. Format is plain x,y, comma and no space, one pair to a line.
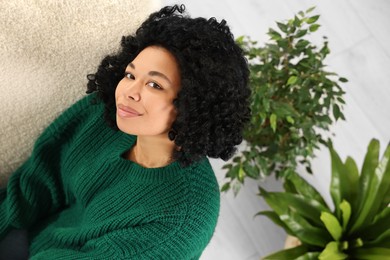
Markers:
172,134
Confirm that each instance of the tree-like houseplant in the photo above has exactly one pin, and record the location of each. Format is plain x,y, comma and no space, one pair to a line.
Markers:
359,225
294,100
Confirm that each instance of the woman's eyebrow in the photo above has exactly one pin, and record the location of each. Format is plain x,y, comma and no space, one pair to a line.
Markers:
131,65
152,73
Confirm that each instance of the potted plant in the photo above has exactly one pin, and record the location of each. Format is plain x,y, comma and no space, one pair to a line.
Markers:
358,226
294,101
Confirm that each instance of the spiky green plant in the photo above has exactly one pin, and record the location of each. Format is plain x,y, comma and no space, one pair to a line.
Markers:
359,225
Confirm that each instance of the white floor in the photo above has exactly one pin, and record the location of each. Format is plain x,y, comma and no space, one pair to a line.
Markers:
360,45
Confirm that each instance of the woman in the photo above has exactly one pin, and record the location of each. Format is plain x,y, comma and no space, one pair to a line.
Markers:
143,188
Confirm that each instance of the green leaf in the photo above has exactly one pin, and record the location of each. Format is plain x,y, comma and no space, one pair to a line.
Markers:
304,206
283,109
382,188
332,225
236,187
275,218
237,159
338,186
344,80
309,256
297,22
352,179
233,172
332,252
240,39
227,166
278,208
305,189
296,223
282,27
386,199
371,160
302,44
292,80
274,34
310,9
380,224
289,186
346,213
314,27
272,119
377,188
300,33
241,174
358,242
283,44
304,231
225,187
374,253
290,120
287,254
336,111
325,50
250,170
383,238
313,19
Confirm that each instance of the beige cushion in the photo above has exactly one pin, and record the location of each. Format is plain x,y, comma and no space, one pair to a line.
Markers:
46,50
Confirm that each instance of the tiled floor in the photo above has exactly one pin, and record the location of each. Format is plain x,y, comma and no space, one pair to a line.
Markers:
360,43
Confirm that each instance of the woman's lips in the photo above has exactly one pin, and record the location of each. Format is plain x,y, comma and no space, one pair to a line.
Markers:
126,112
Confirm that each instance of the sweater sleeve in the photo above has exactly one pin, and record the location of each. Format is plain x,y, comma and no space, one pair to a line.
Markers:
34,190
151,241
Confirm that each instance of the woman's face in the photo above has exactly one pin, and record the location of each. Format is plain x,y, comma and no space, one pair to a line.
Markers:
144,97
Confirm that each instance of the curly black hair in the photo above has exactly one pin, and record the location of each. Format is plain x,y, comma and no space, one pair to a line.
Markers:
213,102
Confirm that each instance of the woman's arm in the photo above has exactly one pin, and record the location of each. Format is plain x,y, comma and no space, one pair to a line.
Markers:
151,241
35,190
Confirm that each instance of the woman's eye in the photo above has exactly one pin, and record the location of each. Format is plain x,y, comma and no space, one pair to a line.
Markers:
129,75
154,85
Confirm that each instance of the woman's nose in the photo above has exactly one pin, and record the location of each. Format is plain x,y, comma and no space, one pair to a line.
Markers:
133,90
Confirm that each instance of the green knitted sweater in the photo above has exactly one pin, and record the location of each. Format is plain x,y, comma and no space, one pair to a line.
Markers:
80,199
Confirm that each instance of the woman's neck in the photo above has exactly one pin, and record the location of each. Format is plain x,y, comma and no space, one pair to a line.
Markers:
152,152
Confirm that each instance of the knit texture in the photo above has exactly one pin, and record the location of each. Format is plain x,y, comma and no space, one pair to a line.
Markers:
80,199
